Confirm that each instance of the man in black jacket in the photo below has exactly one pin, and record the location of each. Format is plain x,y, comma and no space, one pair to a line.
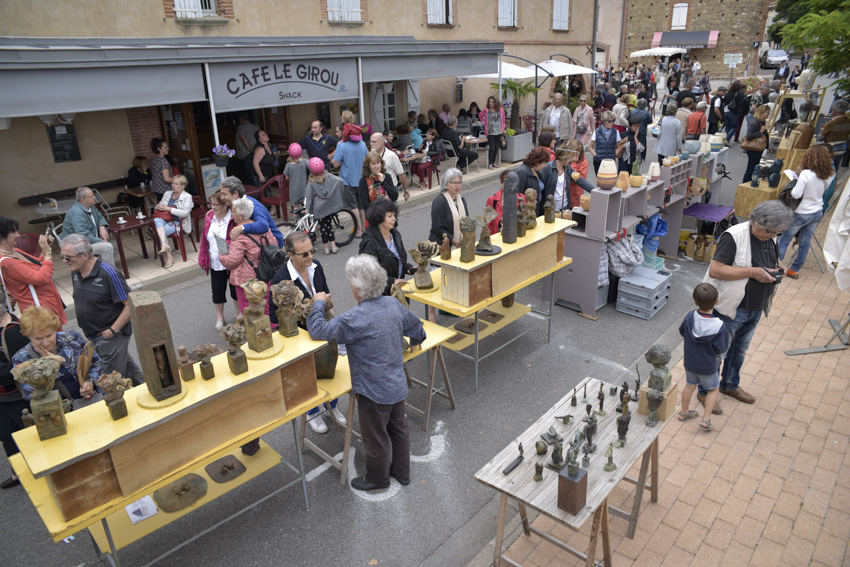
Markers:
716,110
450,135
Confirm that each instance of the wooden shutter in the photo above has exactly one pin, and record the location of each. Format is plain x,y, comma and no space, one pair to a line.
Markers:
561,14
507,14
344,11
439,11
680,17
187,9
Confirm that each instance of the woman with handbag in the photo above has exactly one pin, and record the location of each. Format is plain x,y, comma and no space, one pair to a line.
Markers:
493,119
175,206
28,279
815,175
12,402
755,140
584,121
218,222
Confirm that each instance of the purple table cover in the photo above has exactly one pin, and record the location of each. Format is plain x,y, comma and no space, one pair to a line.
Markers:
708,212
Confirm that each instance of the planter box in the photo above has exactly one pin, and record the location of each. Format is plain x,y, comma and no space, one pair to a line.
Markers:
518,147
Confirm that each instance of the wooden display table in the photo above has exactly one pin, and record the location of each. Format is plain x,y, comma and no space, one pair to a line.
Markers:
100,466
641,443
533,257
747,197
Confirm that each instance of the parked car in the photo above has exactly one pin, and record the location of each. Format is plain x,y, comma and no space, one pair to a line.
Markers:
772,58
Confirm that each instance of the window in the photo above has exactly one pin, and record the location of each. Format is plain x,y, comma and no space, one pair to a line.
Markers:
508,14
390,119
194,9
440,12
680,17
561,14
344,11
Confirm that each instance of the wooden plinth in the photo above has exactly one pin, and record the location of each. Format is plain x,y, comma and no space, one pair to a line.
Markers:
572,491
667,407
747,196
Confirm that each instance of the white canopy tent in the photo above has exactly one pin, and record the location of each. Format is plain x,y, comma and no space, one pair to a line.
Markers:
506,71
658,52
561,69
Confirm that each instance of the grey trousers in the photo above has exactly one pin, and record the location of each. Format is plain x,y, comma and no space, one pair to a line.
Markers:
116,357
105,251
386,439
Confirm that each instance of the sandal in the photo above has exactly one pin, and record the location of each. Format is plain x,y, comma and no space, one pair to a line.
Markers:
690,415
705,425
219,325
169,264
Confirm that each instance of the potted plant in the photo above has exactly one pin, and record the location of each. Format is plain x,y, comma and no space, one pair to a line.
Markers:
222,154
517,92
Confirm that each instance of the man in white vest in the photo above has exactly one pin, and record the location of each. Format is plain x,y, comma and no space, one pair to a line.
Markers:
745,270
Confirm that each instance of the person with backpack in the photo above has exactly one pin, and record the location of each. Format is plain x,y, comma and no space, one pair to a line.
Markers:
735,107
243,255
261,219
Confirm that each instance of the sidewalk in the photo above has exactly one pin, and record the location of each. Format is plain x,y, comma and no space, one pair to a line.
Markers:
771,485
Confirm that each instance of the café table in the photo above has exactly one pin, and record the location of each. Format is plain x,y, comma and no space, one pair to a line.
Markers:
116,228
142,193
48,210
472,143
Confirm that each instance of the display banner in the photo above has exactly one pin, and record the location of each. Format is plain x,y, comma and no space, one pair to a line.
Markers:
263,84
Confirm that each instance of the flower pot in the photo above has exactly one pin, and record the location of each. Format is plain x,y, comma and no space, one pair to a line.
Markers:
622,180
606,177
220,161
584,201
517,148
654,171
636,180
716,143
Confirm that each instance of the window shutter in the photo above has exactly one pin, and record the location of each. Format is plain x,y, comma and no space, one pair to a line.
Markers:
344,11
187,9
449,12
680,17
413,95
561,14
507,14
352,11
436,9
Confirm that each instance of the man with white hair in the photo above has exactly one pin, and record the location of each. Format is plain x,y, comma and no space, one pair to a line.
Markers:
559,116
377,367
84,218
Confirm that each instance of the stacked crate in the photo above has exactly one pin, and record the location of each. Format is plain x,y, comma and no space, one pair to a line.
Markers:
643,292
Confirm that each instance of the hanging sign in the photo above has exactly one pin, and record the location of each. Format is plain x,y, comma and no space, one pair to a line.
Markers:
263,84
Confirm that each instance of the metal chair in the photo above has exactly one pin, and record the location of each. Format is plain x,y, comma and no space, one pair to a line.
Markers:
57,231
108,210
199,212
450,151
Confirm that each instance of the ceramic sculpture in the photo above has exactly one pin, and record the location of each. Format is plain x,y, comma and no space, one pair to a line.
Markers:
654,171
606,177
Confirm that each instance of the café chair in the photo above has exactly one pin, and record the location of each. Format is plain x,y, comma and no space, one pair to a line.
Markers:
110,211
199,212
57,231
179,243
450,151
279,202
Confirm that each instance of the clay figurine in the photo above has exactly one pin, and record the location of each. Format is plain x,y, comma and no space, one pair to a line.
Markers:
623,427
509,208
557,462
549,210
467,241
202,354
654,399
589,432
484,246
114,386
287,296
658,356
187,369
515,463
542,448
573,402
538,472
258,327
422,254
27,418
610,466
565,419
756,173
584,395
551,437
446,248
601,397
234,334
612,390
529,213
579,439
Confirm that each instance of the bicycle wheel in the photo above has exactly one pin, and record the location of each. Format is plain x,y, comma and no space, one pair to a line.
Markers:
345,226
286,228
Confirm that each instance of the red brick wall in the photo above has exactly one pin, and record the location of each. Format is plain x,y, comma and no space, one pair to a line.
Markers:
144,124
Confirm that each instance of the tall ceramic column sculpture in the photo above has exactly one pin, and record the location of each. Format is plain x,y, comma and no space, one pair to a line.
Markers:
509,212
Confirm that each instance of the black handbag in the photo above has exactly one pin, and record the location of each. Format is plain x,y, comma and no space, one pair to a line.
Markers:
503,142
785,195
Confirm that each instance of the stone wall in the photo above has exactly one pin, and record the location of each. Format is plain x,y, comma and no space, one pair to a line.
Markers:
740,22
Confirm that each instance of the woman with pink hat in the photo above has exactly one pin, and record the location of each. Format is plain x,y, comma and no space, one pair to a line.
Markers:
296,172
323,198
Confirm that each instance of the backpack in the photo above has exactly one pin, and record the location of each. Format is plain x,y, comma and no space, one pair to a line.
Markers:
271,259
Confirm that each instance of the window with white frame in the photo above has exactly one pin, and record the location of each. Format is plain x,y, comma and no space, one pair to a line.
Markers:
344,11
508,17
560,14
390,118
194,9
439,12
680,17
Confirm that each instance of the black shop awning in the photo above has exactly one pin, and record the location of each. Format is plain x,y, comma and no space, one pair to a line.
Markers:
686,39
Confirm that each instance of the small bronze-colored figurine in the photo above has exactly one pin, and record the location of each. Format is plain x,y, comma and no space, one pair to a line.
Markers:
549,210
565,419
601,397
551,437
573,402
654,399
542,448
591,418
585,461
538,472
27,418
46,405
258,328
584,396
187,369
623,425
528,215
202,354
515,463
635,395
114,386
467,241
589,432
579,439
234,334
446,248
288,297
557,462
656,379
572,468
484,246
610,466
422,254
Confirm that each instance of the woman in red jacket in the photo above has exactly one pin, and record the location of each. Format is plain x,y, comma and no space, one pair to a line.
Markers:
28,279
219,222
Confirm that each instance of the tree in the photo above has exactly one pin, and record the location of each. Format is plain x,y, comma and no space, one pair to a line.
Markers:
825,30
787,12
517,91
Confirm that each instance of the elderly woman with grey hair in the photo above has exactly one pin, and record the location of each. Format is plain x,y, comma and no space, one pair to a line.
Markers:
448,208
604,140
243,254
745,270
670,137
373,333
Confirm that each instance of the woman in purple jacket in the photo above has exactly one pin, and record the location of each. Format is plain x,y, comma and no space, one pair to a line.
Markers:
217,222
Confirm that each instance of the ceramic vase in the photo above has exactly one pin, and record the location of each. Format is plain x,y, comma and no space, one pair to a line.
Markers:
667,162
705,147
674,159
606,177
636,180
716,143
584,201
622,180
692,146
654,171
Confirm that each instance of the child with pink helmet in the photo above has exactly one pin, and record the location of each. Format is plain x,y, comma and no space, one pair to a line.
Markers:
323,198
296,172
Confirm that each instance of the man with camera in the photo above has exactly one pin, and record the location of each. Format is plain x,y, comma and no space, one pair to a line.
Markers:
745,270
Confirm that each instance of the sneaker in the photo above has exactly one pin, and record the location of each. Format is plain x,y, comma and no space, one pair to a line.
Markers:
318,424
342,350
334,249
339,416
792,274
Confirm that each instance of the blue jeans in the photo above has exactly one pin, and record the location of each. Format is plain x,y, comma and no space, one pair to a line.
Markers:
730,124
170,227
805,225
329,405
742,328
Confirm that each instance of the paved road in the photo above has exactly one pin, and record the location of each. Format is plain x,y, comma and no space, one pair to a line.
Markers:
444,517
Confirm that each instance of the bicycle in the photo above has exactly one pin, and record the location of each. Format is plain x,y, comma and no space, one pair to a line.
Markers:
344,225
